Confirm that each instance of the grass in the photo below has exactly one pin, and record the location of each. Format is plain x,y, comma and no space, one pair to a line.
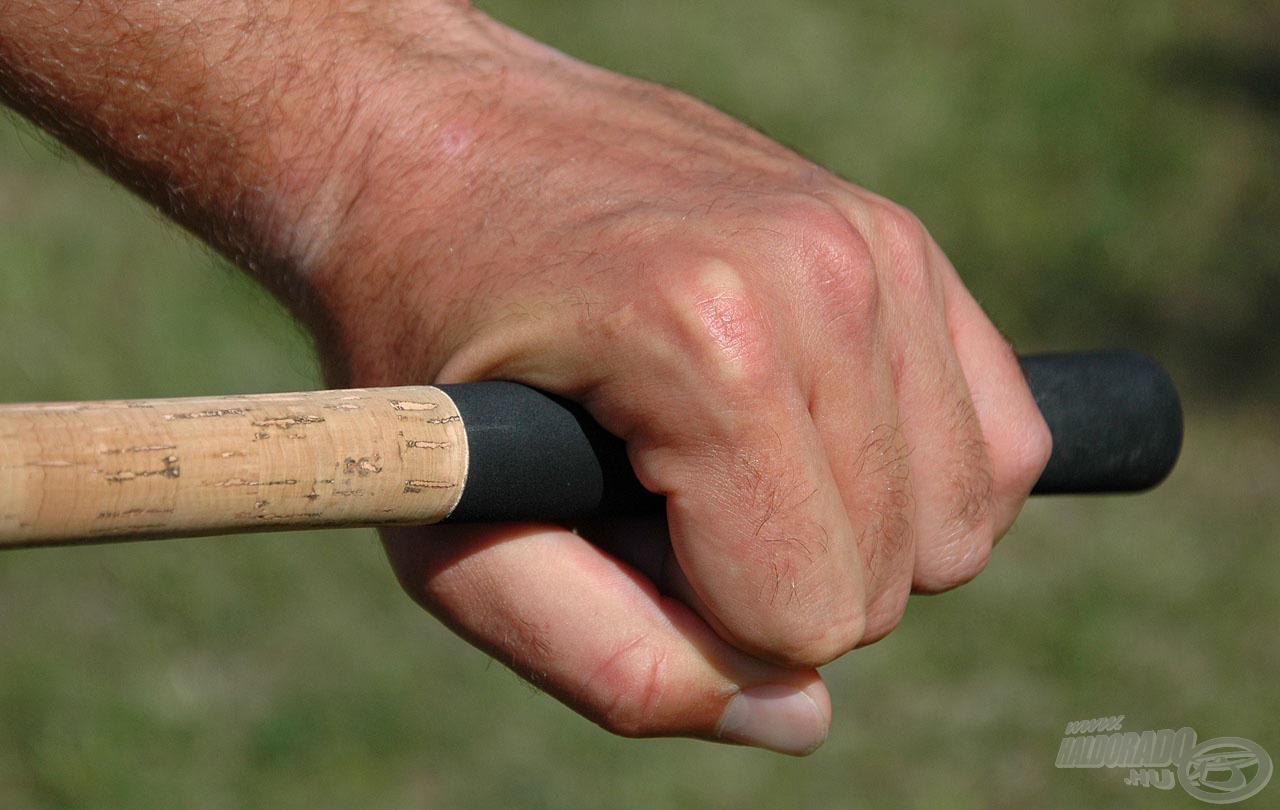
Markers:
1100,175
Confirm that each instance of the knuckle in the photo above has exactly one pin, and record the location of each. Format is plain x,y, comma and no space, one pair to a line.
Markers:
831,241
625,691
884,614
954,563
900,229
977,553
814,640
906,244
835,261
1032,451
721,325
1020,441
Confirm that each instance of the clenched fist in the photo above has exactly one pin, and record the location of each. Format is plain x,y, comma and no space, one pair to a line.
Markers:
790,359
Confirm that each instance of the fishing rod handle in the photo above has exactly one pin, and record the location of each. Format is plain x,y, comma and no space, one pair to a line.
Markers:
87,472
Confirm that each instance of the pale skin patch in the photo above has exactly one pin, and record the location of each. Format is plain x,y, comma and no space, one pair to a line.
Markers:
451,141
723,312
619,321
724,316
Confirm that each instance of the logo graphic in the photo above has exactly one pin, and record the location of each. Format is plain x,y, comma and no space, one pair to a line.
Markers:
1223,770
1216,770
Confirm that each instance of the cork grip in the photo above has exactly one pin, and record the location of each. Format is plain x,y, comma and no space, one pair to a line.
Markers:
97,471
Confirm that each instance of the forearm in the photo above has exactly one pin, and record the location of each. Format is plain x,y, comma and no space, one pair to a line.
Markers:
244,120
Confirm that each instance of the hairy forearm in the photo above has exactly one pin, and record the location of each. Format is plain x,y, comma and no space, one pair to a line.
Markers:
244,120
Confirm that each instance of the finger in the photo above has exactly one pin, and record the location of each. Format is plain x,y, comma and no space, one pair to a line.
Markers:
951,470
591,631
951,474
856,411
939,478
756,519
758,527
1017,439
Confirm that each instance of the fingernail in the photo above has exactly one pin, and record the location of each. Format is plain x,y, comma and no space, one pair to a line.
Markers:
779,718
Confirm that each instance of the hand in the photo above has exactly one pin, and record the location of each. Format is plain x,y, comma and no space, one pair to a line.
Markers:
791,360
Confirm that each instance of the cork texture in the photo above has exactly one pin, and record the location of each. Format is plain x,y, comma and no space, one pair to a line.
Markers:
106,471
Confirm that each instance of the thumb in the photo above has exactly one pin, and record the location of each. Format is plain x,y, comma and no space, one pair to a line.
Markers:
596,634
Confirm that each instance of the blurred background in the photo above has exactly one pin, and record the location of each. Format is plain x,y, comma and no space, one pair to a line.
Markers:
1102,174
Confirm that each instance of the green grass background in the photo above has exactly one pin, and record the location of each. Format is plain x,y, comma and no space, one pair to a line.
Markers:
1101,173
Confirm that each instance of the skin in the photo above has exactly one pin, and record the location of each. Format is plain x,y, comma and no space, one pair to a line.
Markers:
791,359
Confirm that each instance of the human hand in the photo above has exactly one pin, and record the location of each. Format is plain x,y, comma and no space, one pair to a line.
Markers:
791,360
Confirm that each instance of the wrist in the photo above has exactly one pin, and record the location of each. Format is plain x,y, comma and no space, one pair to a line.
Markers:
350,124
394,203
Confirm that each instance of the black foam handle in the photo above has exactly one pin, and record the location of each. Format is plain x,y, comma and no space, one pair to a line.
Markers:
533,456
1115,417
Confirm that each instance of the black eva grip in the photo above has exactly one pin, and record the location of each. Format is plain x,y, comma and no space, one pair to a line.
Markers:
1115,417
